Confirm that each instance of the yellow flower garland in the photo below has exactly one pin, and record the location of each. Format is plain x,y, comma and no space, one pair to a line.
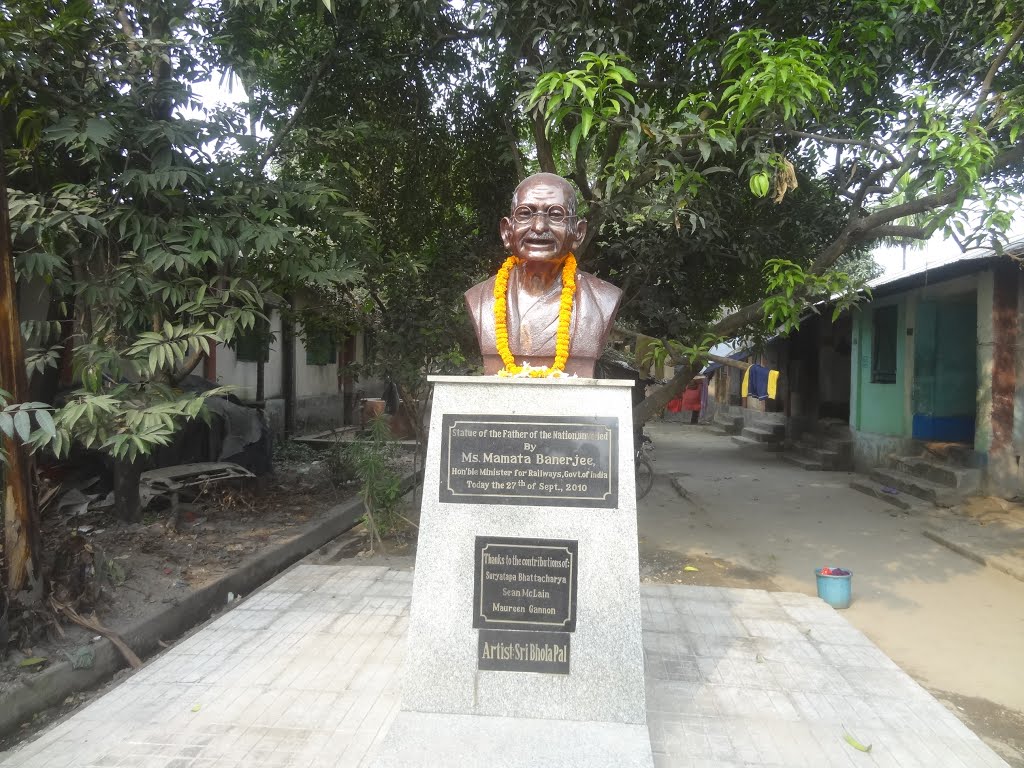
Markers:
564,319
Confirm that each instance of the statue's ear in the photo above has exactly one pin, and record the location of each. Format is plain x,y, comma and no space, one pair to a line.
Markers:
581,233
505,230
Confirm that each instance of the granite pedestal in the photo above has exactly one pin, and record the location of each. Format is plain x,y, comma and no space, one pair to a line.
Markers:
524,637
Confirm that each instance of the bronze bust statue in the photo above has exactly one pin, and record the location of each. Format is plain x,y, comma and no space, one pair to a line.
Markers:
541,233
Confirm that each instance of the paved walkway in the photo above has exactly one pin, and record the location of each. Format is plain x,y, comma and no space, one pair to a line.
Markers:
305,673
952,623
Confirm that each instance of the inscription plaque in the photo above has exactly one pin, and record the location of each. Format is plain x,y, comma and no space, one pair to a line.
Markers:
553,461
525,584
503,650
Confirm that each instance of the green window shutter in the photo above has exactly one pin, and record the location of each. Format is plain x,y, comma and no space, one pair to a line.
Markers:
320,349
885,337
253,345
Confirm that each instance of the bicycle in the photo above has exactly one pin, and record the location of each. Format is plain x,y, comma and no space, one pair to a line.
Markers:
643,467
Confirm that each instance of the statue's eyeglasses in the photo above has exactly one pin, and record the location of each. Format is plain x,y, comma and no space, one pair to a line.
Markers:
554,215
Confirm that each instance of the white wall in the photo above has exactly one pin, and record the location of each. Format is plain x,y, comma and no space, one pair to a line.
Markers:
310,380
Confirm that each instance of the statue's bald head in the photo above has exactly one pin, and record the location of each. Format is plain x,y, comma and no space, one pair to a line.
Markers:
546,179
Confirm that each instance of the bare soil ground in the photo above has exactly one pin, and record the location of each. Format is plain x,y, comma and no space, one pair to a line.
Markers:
120,573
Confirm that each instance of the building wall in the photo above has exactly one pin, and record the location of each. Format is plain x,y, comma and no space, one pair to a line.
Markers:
1018,413
938,342
872,450
834,360
1005,476
321,398
242,375
876,407
928,318
983,418
310,380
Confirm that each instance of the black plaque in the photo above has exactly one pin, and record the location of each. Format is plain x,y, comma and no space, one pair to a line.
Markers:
525,584
509,651
552,461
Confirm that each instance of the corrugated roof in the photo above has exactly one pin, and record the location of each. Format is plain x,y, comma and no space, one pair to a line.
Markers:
969,262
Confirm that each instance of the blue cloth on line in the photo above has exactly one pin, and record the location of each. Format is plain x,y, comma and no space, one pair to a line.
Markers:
759,382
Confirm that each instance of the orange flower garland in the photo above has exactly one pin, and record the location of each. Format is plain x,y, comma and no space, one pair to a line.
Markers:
564,319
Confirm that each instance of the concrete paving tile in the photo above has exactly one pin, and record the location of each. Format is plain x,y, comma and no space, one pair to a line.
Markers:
306,674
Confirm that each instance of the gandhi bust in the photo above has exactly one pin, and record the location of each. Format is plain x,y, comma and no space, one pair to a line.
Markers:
541,233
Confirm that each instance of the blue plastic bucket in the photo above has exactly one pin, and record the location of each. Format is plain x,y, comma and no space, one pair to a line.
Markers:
834,590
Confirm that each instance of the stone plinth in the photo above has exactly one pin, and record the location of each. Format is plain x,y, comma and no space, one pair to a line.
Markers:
549,464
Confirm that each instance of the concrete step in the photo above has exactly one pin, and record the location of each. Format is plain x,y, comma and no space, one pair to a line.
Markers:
747,442
720,431
827,442
831,460
898,500
804,462
760,435
937,494
959,478
835,428
731,425
769,426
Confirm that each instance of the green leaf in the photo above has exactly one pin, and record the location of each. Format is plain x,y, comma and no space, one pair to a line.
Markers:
23,425
99,131
83,658
32,661
574,139
587,120
45,422
856,744
7,424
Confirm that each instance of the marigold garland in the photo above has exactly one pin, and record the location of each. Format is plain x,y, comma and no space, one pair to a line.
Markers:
564,319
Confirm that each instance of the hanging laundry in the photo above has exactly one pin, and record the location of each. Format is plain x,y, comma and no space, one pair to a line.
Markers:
760,382
691,396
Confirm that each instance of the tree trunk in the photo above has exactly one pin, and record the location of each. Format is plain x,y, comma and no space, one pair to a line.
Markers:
21,517
127,505
260,378
288,368
661,396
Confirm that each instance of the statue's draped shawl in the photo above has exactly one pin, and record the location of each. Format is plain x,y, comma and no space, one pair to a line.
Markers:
533,325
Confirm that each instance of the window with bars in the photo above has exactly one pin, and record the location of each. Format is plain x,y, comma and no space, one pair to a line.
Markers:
885,336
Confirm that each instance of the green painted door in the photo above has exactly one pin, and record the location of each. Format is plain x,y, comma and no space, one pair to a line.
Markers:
945,370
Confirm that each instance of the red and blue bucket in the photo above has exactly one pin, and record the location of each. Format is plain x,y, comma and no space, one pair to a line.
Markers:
834,586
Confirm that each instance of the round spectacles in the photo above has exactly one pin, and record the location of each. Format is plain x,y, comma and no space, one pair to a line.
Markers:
554,215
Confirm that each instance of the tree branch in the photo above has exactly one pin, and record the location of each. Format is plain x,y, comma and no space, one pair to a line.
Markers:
275,143
580,175
873,225
658,399
895,230
862,226
517,155
730,325
611,147
997,62
544,156
846,142
188,365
